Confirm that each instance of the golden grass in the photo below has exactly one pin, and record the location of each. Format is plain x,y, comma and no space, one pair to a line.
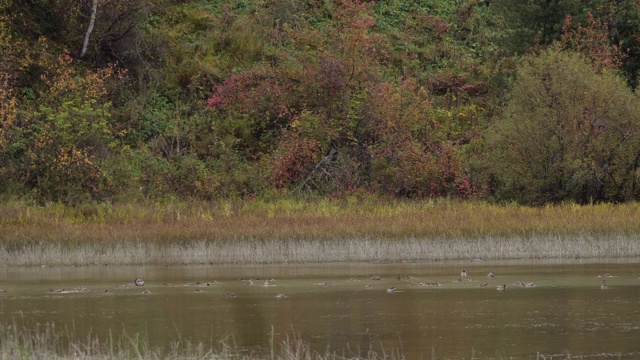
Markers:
312,231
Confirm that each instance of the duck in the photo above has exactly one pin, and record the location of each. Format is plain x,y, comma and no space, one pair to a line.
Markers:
484,284
604,285
250,282
502,287
146,292
281,296
266,283
491,275
375,277
138,282
391,290
229,295
529,285
463,273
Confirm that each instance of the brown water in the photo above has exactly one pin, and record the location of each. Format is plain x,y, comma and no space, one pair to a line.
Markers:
330,306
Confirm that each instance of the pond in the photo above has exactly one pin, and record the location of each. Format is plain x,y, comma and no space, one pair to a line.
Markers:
339,306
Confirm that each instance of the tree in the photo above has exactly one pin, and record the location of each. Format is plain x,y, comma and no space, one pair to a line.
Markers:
568,132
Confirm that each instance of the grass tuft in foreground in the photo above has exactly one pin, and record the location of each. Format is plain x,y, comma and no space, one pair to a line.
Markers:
47,342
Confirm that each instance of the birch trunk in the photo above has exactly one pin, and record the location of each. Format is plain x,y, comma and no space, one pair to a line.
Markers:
85,44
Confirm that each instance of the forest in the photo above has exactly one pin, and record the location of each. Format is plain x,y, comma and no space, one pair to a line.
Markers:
530,102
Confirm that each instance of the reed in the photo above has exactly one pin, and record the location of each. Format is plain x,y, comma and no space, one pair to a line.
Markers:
311,231
48,342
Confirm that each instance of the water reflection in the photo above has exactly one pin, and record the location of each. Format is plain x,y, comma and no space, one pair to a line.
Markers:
335,305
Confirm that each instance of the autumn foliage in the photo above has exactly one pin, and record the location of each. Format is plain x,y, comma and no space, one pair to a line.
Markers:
331,99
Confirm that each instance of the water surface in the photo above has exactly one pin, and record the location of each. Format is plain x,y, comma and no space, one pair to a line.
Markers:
338,306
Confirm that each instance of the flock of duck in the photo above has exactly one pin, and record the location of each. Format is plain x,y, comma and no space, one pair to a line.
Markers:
464,277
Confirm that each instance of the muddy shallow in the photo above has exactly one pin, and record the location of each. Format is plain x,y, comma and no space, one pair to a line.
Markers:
338,306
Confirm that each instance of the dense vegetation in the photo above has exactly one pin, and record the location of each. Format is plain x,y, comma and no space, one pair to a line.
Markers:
502,100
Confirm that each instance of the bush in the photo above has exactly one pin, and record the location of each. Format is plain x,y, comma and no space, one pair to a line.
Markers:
567,133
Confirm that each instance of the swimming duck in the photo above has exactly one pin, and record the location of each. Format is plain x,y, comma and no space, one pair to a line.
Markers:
138,282
250,282
391,290
266,283
376,277
529,285
463,273
484,284
491,275
146,292
229,295
281,296
604,285
501,287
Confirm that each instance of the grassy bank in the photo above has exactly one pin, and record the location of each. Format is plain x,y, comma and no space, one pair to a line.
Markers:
321,231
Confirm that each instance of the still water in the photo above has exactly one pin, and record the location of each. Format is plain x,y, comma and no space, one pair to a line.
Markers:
339,306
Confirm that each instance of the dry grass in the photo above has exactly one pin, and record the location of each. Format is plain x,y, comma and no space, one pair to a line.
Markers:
322,231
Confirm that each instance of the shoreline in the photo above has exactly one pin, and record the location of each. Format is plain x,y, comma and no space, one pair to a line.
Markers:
292,231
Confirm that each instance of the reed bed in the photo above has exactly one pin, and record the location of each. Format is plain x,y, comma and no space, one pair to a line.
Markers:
320,231
319,251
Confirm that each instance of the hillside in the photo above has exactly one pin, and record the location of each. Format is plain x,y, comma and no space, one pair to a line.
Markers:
498,100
